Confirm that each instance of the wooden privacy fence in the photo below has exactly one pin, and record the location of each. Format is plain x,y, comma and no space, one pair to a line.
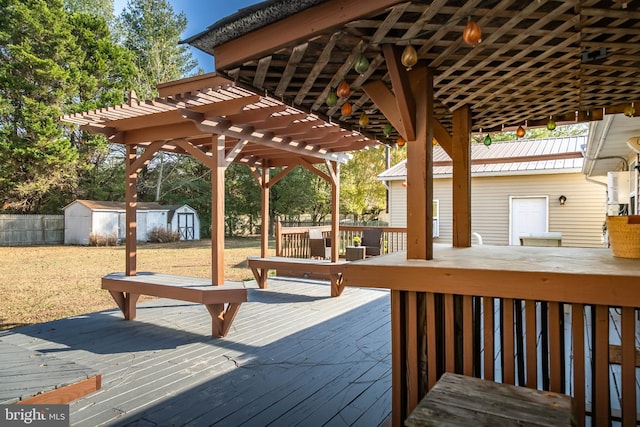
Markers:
293,242
17,230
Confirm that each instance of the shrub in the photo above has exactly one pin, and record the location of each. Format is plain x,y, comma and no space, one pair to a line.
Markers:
102,240
163,235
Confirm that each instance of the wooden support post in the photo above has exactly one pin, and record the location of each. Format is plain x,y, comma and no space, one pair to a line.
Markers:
217,210
461,151
131,197
334,173
264,229
420,173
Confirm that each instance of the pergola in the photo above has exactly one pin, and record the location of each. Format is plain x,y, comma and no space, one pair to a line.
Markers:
217,122
538,63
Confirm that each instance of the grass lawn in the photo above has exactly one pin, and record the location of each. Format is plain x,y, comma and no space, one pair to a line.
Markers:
44,283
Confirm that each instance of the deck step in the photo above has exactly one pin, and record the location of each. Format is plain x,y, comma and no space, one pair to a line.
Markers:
29,376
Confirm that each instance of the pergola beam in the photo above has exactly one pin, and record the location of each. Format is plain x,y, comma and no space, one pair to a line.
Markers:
405,102
302,25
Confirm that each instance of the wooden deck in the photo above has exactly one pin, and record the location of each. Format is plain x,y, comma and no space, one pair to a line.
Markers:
28,376
293,356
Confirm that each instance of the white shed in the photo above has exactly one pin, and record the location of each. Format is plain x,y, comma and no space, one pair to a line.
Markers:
86,217
184,219
529,187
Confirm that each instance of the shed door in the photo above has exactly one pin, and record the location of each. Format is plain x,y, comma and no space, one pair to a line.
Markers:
186,226
528,215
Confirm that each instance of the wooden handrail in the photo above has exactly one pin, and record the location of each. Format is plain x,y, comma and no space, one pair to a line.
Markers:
294,241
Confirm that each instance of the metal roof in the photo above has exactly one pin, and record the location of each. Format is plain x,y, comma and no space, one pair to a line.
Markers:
526,157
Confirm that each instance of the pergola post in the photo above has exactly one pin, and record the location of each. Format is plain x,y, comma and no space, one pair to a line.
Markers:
264,229
217,210
420,173
461,157
131,198
334,172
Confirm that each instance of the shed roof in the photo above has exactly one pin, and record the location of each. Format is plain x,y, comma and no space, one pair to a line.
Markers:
121,206
571,60
532,156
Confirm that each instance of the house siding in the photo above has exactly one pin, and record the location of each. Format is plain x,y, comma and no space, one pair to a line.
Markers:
580,220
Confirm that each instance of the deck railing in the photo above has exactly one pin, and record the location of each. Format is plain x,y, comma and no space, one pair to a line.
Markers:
294,241
587,351
556,319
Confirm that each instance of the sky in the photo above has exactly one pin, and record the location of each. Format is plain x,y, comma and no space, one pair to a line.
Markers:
200,14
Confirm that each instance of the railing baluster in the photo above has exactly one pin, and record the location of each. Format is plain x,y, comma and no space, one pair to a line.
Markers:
449,334
628,368
432,351
601,379
467,334
577,332
531,340
413,374
555,360
508,374
489,357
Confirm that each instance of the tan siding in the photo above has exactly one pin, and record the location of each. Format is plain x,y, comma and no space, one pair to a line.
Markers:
397,204
579,220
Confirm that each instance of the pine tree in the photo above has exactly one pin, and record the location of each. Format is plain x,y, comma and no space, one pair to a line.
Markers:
37,56
151,31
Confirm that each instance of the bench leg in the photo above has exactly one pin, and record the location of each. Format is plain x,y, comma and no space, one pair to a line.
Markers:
337,286
126,302
221,319
261,275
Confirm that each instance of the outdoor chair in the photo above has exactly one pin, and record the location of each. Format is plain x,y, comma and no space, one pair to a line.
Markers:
320,246
372,241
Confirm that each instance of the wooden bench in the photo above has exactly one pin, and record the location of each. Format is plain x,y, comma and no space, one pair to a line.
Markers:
458,400
32,377
333,270
126,290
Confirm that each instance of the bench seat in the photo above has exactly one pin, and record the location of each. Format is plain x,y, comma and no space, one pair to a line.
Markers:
261,266
126,290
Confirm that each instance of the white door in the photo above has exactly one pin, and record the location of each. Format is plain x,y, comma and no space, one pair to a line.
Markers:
528,215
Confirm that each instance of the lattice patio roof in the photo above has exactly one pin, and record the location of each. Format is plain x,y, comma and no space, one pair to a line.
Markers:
571,60
256,128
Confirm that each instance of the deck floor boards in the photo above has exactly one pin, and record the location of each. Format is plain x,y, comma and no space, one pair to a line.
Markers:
293,355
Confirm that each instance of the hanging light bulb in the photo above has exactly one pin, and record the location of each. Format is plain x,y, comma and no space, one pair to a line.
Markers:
487,141
364,120
472,33
346,109
630,110
361,65
387,130
409,57
401,141
551,125
520,132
